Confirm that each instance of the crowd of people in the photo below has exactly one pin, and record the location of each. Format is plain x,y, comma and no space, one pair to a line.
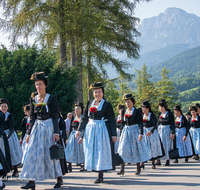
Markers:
92,137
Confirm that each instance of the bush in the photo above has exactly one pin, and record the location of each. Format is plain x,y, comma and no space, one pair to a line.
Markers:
16,69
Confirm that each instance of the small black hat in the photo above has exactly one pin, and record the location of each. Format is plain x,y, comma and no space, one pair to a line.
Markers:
145,103
177,107
79,104
188,113
163,101
24,104
27,107
128,96
121,106
193,108
96,85
197,105
38,76
3,101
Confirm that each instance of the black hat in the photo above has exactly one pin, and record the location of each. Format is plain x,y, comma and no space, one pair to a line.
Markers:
121,106
79,104
188,113
193,108
128,96
24,104
38,76
96,85
163,101
197,105
27,107
3,101
177,107
145,103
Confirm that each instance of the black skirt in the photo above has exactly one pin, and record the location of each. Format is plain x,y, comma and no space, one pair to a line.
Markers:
7,150
4,163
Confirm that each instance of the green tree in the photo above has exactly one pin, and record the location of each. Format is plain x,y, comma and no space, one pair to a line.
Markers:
146,90
16,69
166,89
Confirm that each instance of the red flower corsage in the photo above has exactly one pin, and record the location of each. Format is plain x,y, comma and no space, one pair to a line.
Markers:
144,120
75,121
127,115
27,124
194,120
119,121
161,117
177,122
93,109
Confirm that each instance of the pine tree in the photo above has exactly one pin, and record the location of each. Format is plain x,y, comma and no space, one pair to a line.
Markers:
166,89
146,90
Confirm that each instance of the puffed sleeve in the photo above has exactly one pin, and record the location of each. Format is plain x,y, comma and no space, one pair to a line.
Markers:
84,119
2,123
11,124
55,113
62,128
23,126
33,116
172,123
139,120
186,124
111,120
154,121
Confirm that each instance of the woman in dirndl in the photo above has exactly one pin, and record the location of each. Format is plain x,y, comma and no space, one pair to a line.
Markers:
194,125
13,141
74,151
4,166
43,131
120,125
166,130
99,134
24,126
151,133
183,141
133,147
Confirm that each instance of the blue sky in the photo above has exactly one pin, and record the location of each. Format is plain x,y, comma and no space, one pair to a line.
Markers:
155,7
147,10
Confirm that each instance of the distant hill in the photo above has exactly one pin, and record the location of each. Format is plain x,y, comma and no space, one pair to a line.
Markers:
174,26
151,58
187,62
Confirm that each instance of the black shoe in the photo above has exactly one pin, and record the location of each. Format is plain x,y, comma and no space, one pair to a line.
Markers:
138,172
158,163
83,170
167,163
142,166
153,166
99,180
69,169
128,163
58,184
3,186
29,186
176,161
186,159
15,174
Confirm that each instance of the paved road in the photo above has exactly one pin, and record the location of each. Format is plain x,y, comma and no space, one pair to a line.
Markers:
182,176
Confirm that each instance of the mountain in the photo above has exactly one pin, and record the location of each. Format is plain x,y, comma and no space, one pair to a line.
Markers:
174,26
184,69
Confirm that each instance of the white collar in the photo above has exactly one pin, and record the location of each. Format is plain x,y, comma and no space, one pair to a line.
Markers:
6,115
148,117
164,115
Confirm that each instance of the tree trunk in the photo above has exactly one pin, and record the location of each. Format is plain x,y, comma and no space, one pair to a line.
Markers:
63,49
73,53
79,88
89,67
